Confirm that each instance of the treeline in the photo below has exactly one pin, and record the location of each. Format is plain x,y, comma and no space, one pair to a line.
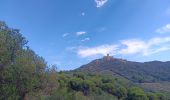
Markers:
26,76
88,86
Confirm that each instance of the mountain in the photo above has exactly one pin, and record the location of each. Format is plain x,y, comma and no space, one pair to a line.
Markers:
153,71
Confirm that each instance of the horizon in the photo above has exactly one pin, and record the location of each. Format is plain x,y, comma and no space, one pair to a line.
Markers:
73,33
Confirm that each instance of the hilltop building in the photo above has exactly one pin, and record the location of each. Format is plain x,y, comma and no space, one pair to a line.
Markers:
108,57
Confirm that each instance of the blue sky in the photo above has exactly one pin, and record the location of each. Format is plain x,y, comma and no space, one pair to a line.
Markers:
70,33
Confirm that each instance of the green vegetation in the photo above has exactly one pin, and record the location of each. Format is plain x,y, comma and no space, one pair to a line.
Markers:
21,70
25,76
148,72
99,87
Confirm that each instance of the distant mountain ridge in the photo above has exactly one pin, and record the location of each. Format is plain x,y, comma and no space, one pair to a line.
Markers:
153,71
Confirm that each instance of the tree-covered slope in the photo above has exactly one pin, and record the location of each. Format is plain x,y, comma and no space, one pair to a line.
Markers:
154,71
76,85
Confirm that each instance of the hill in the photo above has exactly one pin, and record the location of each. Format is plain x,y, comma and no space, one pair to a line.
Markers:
153,71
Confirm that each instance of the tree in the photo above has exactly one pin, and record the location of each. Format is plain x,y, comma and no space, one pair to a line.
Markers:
21,70
87,86
152,96
120,92
161,96
52,81
108,87
75,83
11,42
136,93
27,72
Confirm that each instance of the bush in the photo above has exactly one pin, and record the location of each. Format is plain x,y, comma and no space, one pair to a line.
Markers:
136,93
108,87
152,96
121,92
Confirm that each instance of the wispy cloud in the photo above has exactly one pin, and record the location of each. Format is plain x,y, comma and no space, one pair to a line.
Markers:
164,29
158,40
102,29
152,46
128,47
99,50
133,46
81,33
168,11
100,3
161,49
83,13
65,34
86,39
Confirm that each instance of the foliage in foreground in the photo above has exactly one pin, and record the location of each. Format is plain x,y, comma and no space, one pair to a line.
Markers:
21,70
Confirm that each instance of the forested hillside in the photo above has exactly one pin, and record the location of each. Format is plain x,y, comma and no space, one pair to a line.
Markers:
24,75
78,85
154,71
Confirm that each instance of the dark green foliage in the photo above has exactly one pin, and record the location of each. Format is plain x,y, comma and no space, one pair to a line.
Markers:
161,96
8,92
108,87
98,87
79,75
11,46
81,85
76,84
21,70
121,92
157,96
152,96
61,94
107,80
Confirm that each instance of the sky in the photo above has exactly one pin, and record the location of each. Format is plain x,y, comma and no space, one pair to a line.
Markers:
70,33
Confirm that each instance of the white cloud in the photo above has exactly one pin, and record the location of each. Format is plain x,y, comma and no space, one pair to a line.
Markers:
133,46
81,33
161,49
164,29
158,40
65,34
100,3
128,47
152,46
86,39
99,50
